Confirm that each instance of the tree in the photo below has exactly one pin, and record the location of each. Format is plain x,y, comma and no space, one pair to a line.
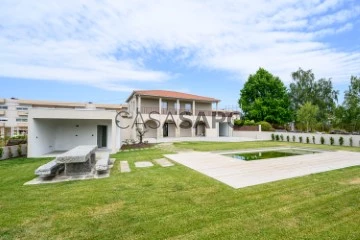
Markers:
352,104
265,98
305,88
307,115
141,133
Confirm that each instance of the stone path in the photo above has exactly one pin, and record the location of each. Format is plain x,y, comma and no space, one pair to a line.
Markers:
164,162
124,167
239,174
143,164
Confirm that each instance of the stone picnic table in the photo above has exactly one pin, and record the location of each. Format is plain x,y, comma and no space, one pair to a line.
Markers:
78,160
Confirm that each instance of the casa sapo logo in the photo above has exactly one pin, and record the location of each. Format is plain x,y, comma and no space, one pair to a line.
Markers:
185,117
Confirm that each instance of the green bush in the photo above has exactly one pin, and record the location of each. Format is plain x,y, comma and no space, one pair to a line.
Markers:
294,138
351,141
1,152
277,137
238,122
19,150
332,141
341,141
288,138
282,137
265,126
300,139
322,140
249,123
307,140
273,137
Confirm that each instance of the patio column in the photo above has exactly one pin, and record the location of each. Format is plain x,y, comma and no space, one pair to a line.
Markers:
160,102
159,130
178,107
193,107
139,103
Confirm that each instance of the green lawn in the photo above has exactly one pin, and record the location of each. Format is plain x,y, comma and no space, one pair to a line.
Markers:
177,203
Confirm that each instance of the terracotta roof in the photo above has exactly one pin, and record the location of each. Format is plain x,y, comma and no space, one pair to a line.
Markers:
171,94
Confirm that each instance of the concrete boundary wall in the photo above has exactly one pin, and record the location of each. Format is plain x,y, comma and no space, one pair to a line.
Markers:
14,151
267,136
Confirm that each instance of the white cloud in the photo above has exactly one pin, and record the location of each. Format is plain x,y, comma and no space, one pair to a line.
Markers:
107,43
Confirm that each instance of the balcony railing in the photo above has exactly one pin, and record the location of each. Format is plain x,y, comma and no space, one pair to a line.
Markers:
173,111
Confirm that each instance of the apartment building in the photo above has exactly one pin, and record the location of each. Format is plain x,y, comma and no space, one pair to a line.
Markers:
14,112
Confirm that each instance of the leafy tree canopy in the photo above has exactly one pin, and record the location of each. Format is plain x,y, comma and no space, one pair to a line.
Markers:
265,98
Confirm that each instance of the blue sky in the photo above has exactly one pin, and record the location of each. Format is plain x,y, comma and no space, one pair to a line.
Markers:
101,50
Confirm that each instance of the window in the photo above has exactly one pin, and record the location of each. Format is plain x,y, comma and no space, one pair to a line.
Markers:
22,108
3,119
3,107
21,119
188,107
164,105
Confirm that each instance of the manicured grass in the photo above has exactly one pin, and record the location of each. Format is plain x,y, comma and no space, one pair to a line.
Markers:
176,203
215,146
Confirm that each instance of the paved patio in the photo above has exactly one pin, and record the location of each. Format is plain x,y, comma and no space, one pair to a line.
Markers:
239,174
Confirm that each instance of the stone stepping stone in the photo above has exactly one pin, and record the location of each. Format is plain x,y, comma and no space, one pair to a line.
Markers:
124,167
164,162
143,164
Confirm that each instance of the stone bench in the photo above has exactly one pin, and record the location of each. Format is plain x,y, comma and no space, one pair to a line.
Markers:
79,160
102,161
51,168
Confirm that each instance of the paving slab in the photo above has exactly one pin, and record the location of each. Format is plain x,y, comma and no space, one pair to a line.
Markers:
124,167
164,162
143,164
239,173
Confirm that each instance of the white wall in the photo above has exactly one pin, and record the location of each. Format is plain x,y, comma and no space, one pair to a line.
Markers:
267,136
68,135
56,129
14,151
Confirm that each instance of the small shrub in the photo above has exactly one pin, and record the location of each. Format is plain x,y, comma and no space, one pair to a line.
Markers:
341,141
10,155
313,139
300,139
265,126
307,140
322,140
282,137
277,137
238,122
19,150
273,137
294,138
249,123
1,152
351,142
288,138
332,141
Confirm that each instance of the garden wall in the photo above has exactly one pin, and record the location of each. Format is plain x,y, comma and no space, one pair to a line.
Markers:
14,151
267,136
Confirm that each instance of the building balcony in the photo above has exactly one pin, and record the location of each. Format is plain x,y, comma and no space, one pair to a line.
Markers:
22,113
2,112
173,111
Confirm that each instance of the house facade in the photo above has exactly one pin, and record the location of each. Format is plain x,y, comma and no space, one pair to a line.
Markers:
161,114
173,114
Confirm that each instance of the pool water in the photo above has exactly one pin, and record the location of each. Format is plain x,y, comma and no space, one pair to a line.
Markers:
268,154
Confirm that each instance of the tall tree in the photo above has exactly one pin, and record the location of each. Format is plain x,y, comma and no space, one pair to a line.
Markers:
307,115
265,97
305,88
352,104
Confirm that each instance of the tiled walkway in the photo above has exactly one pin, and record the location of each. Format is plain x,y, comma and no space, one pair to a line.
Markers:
239,174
